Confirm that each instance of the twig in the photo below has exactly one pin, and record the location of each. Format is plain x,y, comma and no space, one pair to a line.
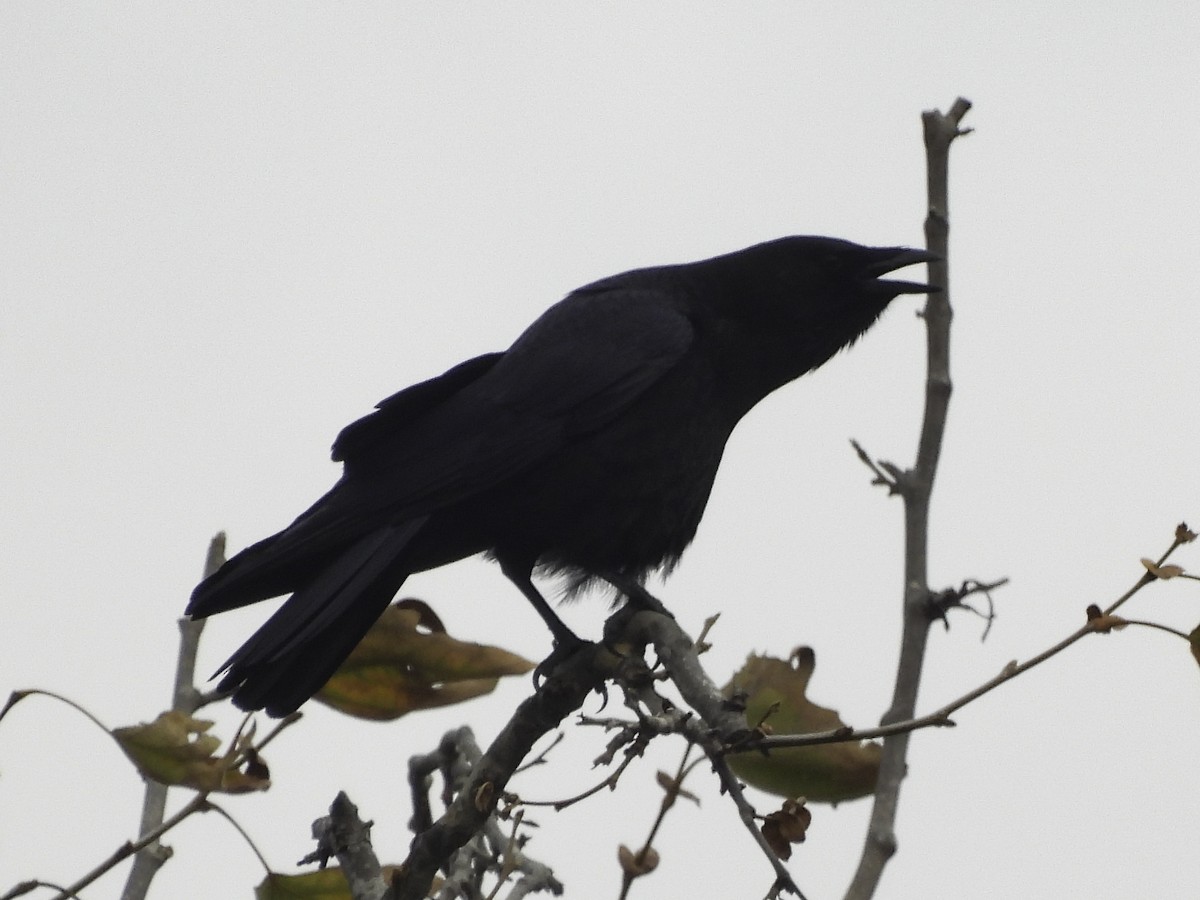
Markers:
679,655
609,782
199,803
212,807
559,695
20,890
941,716
1013,669
344,835
882,478
185,698
16,696
670,796
542,758
730,783
721,723
488,850
916,486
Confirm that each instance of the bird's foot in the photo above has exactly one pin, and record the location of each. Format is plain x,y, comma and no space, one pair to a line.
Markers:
567,646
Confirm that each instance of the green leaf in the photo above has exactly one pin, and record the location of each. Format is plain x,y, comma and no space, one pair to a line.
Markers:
776,692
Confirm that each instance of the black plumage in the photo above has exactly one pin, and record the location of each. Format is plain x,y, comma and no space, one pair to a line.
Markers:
588,448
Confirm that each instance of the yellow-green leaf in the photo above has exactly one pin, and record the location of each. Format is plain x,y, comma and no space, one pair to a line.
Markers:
324,884
175,749
408,662
825,773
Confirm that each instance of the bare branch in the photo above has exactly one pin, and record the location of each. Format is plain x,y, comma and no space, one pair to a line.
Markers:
564,691
199,803
185,698
916,487
344,835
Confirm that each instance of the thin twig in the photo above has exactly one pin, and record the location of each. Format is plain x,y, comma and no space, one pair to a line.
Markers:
671,795
881,478
730,783
197,804
941,716
609,782
25,887
212,807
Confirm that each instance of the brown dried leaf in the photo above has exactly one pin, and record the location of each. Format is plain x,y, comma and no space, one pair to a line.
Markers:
1103,624
1194,642
635,865
786,826
1164,572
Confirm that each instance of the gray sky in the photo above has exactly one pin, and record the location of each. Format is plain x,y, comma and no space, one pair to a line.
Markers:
229,229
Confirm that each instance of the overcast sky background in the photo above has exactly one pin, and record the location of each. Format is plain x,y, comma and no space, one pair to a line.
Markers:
228,229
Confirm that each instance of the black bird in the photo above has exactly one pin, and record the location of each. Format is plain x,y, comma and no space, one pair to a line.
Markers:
587,449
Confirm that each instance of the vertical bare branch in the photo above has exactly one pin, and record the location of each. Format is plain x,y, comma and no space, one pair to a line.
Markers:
916,486
185,699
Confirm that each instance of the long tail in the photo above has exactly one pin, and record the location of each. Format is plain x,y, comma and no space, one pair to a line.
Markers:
296,650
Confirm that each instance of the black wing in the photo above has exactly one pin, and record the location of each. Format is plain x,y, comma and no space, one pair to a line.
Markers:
578,367
481,423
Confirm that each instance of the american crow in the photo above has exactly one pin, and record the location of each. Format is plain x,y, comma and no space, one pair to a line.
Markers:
587,449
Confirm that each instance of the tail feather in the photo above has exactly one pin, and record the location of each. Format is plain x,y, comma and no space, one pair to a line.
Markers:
284,562
254,574
296,650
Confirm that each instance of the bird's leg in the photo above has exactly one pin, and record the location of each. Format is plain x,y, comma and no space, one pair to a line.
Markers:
635,591
564,637
566,642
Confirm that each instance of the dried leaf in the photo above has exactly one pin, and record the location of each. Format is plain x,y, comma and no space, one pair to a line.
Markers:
825,773
175,749
1103,624
786,826
1194,642
1164,572
633,865
408,662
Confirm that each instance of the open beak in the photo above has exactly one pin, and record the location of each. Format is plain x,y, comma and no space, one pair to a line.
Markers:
891,258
